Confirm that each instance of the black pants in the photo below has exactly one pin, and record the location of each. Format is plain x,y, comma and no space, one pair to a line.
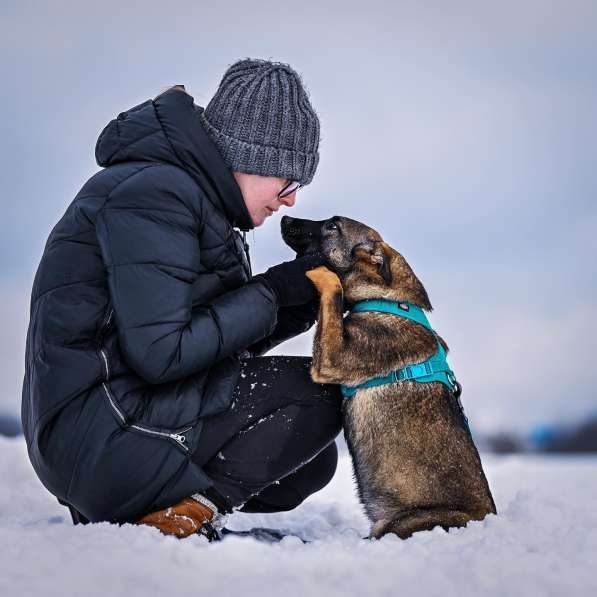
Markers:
275,445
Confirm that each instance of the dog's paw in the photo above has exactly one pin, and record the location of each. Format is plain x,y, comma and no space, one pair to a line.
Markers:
324,280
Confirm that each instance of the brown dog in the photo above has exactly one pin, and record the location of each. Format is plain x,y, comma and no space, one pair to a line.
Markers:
415,462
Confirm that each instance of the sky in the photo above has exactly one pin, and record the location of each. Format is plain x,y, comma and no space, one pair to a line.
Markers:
464,132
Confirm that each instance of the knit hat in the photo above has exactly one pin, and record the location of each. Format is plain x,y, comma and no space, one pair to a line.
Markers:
262,122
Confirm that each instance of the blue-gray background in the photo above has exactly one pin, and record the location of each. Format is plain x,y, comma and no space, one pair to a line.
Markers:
465,132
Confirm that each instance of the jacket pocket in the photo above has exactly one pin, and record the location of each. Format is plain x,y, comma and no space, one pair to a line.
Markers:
175,435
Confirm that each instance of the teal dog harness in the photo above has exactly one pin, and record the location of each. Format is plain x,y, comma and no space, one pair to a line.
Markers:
435,368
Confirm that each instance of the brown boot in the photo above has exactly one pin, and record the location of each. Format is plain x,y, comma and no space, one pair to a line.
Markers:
187,517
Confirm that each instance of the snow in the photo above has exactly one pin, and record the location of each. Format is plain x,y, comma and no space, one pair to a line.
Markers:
542,543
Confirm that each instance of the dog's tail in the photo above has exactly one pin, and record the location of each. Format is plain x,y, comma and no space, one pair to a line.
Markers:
407,523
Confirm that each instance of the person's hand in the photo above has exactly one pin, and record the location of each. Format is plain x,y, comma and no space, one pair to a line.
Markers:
299,317
289,282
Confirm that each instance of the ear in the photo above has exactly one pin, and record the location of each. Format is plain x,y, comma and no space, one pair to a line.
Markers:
377,254
381,257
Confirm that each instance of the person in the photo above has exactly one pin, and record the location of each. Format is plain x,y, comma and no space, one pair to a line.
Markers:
146,397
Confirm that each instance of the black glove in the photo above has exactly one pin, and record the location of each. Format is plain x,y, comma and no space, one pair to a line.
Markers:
289,282
306,313
292,321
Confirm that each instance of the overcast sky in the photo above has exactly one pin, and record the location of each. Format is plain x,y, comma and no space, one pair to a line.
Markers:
465,132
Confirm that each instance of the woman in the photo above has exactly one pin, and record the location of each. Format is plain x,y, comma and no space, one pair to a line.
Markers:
144,398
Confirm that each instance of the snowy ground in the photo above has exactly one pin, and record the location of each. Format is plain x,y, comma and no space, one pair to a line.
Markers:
544,542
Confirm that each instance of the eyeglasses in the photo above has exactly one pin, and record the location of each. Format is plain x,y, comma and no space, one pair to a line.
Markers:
289,188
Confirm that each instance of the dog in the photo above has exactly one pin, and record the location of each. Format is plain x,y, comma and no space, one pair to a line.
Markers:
415,463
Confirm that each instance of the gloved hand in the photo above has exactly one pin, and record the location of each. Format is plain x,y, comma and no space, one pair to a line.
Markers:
289,282
292,321
306,313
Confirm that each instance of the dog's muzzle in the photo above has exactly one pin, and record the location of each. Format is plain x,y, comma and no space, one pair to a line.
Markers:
302,236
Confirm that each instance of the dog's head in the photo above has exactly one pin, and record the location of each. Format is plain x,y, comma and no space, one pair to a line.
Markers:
367,266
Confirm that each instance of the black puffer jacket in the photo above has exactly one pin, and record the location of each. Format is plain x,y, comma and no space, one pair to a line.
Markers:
141,306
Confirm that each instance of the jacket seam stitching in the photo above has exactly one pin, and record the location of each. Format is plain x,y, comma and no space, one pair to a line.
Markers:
186,214
64,286
158,118
106,207
155,263
79,449
109,194
123,150
182,163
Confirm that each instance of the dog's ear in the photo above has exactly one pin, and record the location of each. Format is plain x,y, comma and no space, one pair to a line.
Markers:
381,258
376,253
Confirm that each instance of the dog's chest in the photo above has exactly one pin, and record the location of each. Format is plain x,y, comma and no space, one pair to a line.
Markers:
372,411
394,410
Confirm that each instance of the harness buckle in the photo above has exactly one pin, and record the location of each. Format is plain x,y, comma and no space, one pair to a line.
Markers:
421,369
413,371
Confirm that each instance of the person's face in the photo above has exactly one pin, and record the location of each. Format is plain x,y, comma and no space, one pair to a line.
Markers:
261,195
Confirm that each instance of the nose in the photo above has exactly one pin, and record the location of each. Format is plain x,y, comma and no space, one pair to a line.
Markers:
289,200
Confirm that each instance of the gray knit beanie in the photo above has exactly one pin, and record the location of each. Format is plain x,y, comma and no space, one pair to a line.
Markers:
262,122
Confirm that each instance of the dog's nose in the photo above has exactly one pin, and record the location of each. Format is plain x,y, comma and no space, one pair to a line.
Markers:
286,223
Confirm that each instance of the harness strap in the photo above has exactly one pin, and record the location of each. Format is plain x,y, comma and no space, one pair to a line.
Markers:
433,369
401,308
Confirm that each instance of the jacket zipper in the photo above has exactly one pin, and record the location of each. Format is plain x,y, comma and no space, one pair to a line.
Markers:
178,437
106,324
113,404
100,340
247,255
102,352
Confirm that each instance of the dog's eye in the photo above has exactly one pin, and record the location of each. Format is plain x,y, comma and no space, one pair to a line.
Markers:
331,226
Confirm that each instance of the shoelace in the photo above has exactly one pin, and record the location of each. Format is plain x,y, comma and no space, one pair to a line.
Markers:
210,528
209,532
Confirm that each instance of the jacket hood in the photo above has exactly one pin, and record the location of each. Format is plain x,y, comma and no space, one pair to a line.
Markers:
169,129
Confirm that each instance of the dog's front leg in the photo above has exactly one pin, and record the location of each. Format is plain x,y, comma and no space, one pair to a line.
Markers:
329,338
